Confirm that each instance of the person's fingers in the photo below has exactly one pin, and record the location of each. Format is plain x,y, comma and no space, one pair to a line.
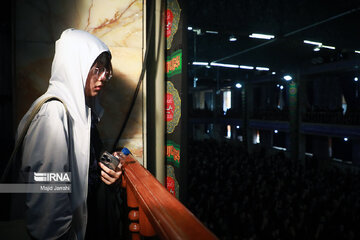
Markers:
111,172
119,166
116,154
109,178
105,181
106,176
107,170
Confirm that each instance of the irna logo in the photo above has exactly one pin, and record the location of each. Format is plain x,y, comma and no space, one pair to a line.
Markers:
52,177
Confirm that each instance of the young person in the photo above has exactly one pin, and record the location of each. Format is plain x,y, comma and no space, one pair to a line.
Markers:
59,138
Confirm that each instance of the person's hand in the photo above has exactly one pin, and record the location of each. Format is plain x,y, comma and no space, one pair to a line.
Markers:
109,176
117,154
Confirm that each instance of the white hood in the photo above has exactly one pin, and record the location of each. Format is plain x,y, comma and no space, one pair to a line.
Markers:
75,52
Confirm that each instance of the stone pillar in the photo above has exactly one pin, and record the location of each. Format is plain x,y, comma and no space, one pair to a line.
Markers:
155,88
294,118
247,111
302,99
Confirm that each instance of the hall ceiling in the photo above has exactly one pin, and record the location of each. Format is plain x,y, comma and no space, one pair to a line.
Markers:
292,22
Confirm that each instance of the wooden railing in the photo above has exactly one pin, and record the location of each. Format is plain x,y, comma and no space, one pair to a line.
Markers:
154,211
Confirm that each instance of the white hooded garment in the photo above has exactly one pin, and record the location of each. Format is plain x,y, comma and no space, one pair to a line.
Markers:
57,142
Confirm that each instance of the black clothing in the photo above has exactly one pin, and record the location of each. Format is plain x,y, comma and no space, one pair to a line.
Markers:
103,202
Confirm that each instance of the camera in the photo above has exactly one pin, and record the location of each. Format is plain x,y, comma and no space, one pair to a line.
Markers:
109,160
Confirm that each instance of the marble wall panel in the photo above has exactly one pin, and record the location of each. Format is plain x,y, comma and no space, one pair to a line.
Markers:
119,24
116,99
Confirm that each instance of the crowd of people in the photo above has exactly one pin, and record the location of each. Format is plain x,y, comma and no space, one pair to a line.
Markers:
265,195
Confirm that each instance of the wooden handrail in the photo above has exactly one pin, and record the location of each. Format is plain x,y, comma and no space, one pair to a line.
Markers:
159,212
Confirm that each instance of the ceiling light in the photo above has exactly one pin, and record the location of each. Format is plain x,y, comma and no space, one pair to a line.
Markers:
346,139
316,49
287,78
194,82
313,43
276,131
261,36
246,67
262,69
356,51
281,87
238,85
232,38
190,28
212,32
224,65
328,47
200,63
356,79
198,31
273,73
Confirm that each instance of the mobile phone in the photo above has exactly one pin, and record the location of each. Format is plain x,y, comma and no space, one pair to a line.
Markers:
109,160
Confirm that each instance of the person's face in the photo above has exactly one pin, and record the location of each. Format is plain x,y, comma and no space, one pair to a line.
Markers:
96,80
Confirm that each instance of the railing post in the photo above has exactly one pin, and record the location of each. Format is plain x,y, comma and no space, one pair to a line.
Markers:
134,226
145,226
